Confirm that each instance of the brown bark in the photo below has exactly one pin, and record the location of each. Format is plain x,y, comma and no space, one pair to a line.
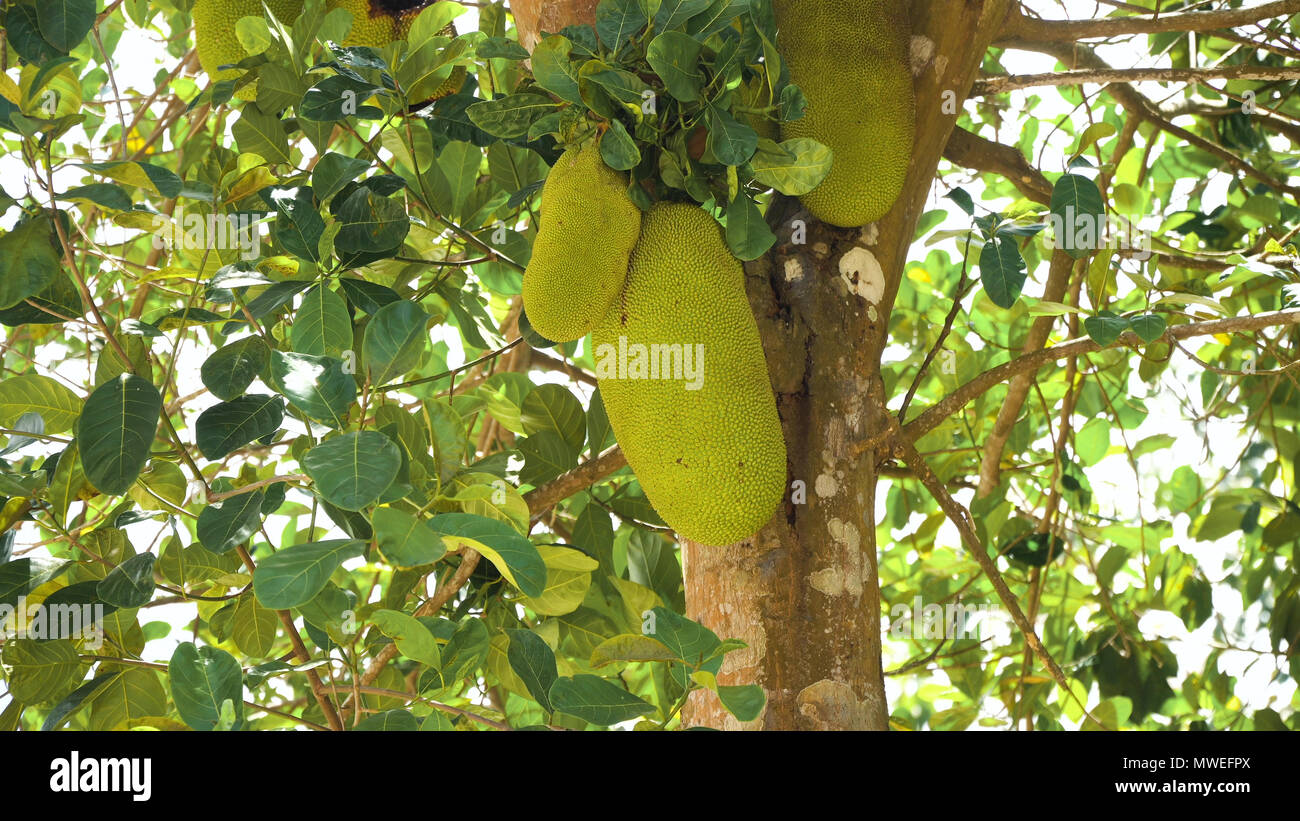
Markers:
536,16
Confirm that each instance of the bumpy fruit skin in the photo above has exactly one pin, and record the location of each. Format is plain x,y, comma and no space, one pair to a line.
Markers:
580,257
376,24
214,34
850,58
712,461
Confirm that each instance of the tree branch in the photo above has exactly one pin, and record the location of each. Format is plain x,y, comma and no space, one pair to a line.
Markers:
933,416
583,476
1068,31
979,154
1013,82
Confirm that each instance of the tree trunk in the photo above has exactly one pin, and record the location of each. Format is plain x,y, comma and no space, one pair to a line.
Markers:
803,593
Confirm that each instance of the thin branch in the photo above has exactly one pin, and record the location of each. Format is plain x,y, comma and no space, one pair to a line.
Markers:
933,416
585,475
979,154
1014,82
1068,31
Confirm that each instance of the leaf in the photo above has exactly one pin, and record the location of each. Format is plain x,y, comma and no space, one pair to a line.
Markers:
224,428
370,224
675,58
748,235
41,671
395,340
130,584
1105,327
229,371
404,541
294,575
225,525
317,385
552,69
1002,271
33,393
596,700
1149,327
731,141
353,470
1078,211
389,721
73,702
554,408
509,117
631,647
618,149
794,167
618,20
202,680
513,555
116,431
412,638
321,326
532,659
29,259
253,627
568,576
65,23
131,694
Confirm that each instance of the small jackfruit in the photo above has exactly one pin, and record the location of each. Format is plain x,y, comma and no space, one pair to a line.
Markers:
682,373
850,59
376,23
214,34
581,253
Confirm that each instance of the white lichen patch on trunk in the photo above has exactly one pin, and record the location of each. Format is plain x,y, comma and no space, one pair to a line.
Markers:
861,273
793,270
920,50
846,575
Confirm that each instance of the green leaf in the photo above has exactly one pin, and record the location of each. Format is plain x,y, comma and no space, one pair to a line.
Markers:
131,694
675,58
412,638
1149,327
509,117
253,627
404,541
731,141
554,408
33,393
203,679
73,702
263,134
1002,271
793,167
568,576
229,371
395,340
333,171
618,20
513,555
745,702
532,659
65,23
370,224
631,647
389,721
321,326
618,149
294,575
29,258
130,584
116,431
225,427
316,385
596,700
41,671
747,233
553,70
1077,208
1105,327
225,525
353,470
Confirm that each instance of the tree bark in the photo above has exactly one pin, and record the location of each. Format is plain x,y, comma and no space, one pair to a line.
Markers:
536,16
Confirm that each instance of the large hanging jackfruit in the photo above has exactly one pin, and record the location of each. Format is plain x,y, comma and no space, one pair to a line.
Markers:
850,58
581,253
685,384
214,34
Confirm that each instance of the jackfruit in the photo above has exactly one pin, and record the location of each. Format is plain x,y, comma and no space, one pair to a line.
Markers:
685,384
376,23
581,253
214,34
850,59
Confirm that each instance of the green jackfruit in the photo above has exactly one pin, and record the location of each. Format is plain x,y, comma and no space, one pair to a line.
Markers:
581,253
685,384
376,23
214,34
850,58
